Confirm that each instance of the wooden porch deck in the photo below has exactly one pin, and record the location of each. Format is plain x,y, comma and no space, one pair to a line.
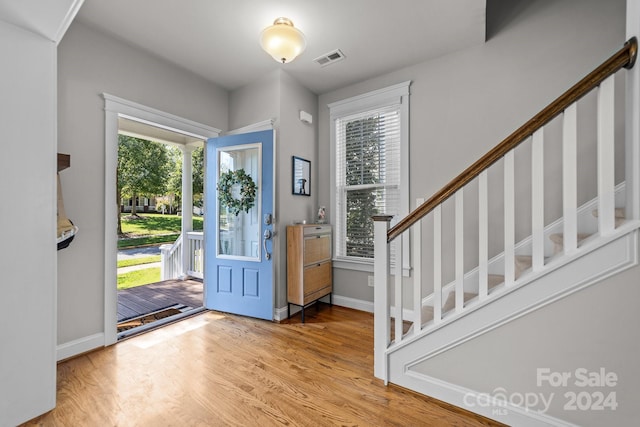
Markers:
146,299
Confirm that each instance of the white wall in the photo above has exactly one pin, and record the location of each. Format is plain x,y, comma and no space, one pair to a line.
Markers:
296,139
256,102
464,103
28,261
89,64
279,96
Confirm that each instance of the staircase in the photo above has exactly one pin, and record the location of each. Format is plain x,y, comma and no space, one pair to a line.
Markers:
451,302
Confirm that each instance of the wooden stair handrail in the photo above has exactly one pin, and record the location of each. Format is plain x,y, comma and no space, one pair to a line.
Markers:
625,57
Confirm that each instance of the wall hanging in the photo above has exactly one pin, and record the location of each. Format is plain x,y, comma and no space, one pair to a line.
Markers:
301,177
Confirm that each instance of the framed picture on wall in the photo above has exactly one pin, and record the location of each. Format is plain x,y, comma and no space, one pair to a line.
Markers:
301,177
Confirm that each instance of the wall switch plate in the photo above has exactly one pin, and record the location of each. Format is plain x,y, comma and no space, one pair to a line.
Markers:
370,281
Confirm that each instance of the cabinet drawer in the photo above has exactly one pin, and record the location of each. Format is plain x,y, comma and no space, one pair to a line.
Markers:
317,249
316,278
312,230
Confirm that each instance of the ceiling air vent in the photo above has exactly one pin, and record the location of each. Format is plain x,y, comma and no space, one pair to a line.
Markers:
330,58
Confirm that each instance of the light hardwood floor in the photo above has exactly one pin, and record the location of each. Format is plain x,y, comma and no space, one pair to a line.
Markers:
216,369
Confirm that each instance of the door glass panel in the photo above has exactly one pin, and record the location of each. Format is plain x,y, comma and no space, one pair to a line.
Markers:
239,234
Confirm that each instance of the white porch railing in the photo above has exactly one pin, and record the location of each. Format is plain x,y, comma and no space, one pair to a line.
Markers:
195,247
171,259
388,294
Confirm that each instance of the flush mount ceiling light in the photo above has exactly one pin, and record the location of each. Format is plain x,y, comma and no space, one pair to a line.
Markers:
282,40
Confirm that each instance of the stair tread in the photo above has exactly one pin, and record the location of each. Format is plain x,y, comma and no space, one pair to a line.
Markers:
619,213
427,310
559,237
558,241
619,216
495,280
427,313
522,263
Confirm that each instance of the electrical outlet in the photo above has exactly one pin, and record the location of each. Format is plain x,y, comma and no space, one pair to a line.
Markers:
370,281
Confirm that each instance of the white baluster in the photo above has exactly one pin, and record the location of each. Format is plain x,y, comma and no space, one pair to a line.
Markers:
398,290
437,264
191,254
459,265
417,274
509,219
570,178
537,199
606,157
483,235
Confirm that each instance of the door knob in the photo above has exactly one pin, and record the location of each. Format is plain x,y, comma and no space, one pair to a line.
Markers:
266,236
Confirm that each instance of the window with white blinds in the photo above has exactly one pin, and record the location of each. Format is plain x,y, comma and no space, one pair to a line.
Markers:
367,176
368,150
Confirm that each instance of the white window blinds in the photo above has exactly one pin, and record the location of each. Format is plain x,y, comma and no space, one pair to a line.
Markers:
368,147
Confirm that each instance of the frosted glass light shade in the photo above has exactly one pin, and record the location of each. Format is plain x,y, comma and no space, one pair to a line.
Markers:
283,41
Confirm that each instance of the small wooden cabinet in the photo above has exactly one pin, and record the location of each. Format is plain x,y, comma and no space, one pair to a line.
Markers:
309,272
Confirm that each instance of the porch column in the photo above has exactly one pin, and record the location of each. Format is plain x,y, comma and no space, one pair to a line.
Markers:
187,204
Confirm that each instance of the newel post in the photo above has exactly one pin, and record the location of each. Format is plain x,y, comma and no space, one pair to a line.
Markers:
381,313
164,262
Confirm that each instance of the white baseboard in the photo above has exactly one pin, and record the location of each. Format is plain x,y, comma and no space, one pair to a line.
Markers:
356,304
362,305
500,410
79,346
280,314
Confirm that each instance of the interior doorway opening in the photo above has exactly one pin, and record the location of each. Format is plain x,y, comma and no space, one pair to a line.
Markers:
115,109
159,192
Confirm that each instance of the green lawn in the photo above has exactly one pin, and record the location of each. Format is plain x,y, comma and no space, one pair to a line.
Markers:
152,229
138,278
154,224
149,240
138,261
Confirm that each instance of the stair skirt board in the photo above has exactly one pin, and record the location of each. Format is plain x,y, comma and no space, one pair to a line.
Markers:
611,256
587,225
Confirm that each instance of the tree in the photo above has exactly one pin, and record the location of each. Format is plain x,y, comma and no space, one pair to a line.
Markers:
363,168
197,166
174,182
198,176
143,167
198,170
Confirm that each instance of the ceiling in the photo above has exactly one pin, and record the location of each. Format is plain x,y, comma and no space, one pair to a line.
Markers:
138,129
218,39
49,18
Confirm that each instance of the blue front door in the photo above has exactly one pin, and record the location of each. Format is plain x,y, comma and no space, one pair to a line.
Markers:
238,226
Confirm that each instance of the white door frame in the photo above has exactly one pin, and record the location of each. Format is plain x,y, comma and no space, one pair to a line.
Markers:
114,108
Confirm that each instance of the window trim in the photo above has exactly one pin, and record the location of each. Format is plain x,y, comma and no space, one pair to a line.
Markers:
392,95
